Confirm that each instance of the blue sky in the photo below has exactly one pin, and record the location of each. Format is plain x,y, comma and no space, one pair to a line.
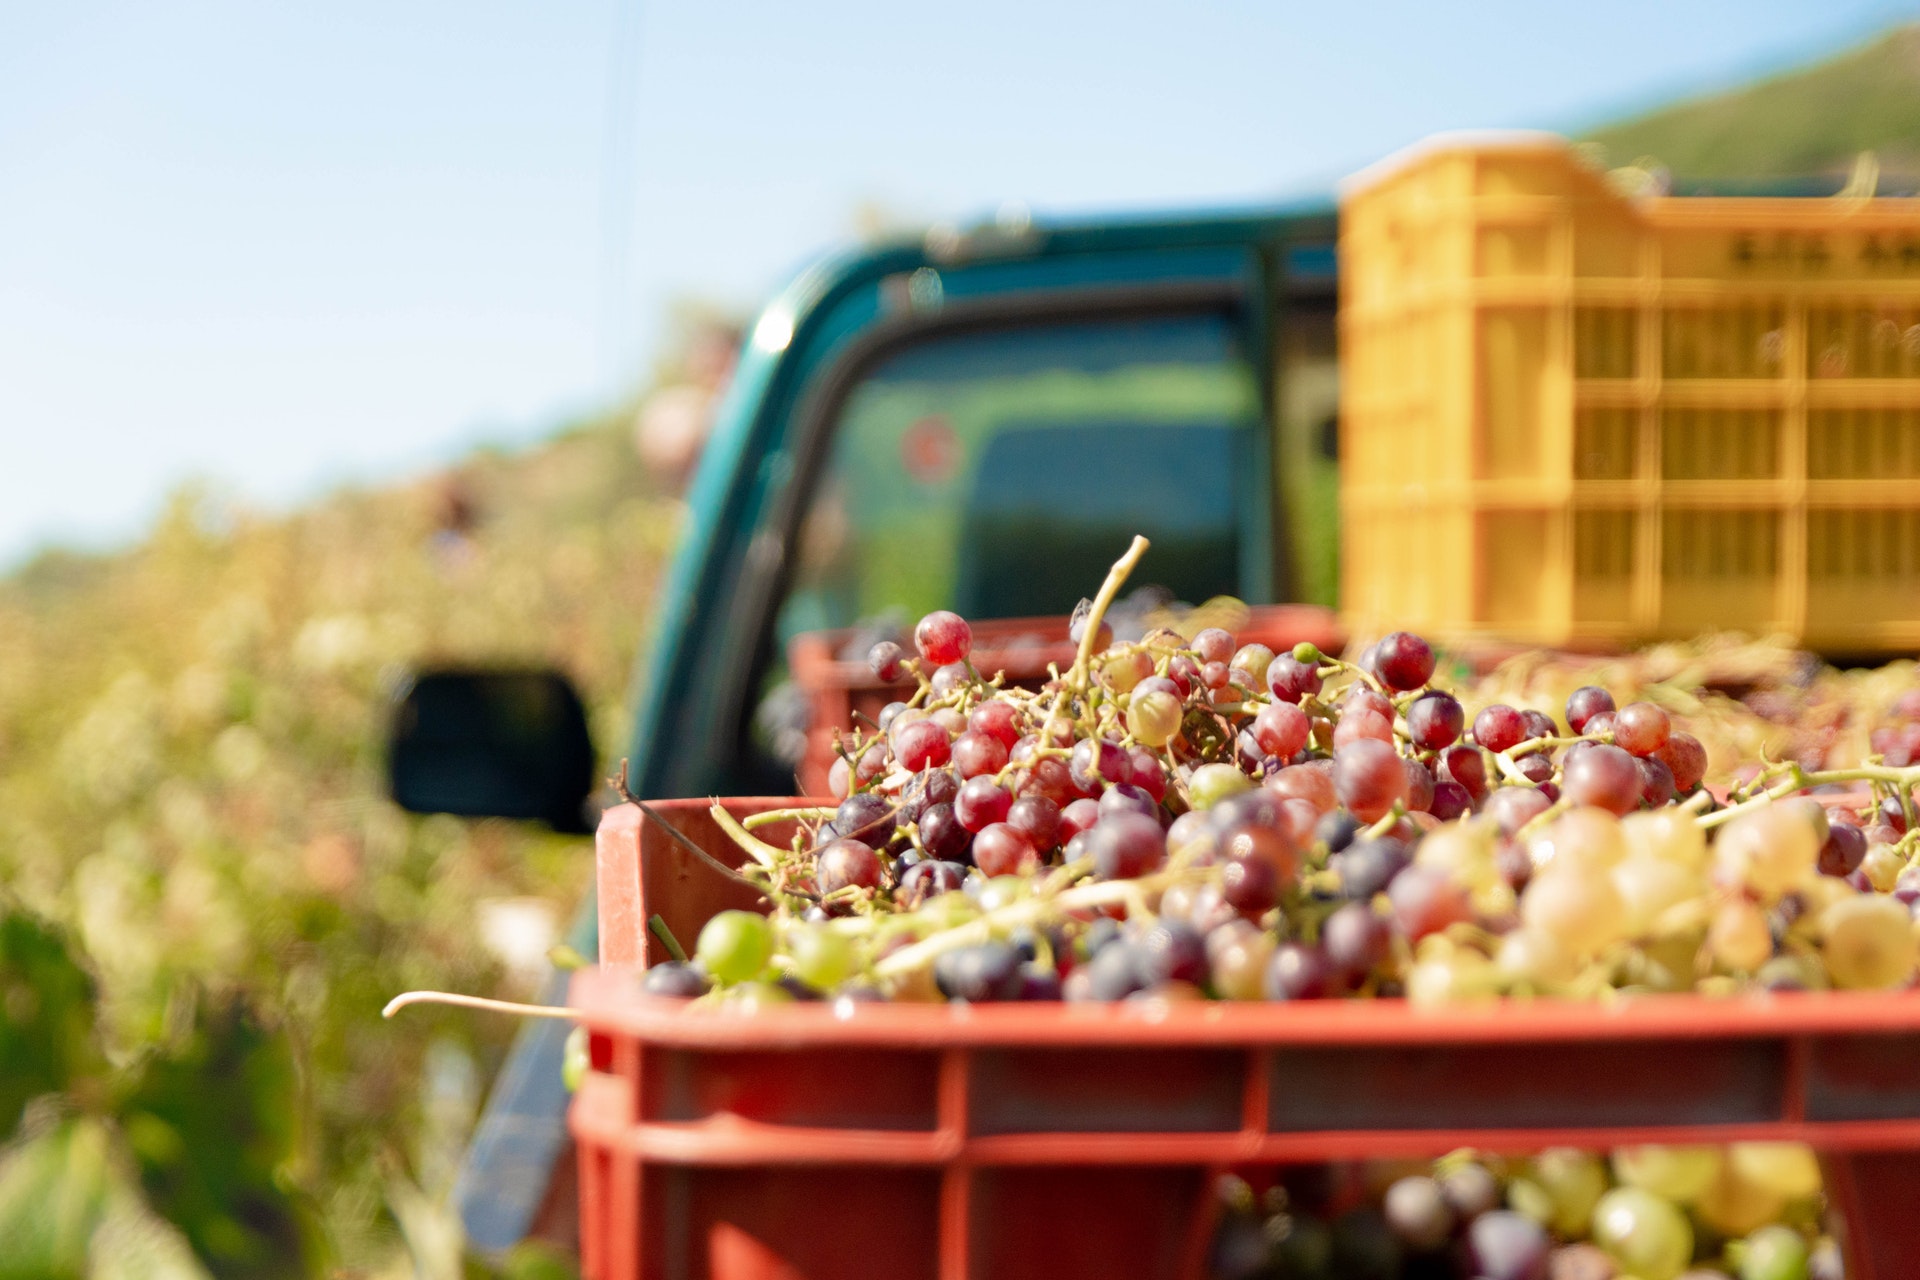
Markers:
283,246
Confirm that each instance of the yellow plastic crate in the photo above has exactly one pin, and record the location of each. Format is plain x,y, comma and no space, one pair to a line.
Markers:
1570,417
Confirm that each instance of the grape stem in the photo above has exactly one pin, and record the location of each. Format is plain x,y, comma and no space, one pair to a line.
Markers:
771,816
1798,779
406,998
1090,635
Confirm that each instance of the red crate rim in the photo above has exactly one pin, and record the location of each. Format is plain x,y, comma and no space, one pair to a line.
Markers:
610,1002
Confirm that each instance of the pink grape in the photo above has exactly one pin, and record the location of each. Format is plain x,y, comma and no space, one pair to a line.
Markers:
1368,778
1641,728
1605,777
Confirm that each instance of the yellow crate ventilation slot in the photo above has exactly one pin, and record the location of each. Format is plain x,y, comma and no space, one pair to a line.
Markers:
1573,417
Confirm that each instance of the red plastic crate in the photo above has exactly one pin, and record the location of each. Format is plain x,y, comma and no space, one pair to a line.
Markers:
1079,1140
836,690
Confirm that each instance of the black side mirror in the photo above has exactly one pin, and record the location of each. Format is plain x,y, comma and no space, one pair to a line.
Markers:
492,744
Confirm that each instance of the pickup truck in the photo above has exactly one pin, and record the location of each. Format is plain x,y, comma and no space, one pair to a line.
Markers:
975,420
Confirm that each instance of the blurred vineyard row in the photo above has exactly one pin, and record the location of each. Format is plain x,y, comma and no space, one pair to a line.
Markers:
206,897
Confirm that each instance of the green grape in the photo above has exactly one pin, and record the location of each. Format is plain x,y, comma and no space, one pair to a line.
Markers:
1680,1174
1575,1180
1651,886
574,1060
1453,978
1733,1206
1773,850
1589,836
1869,942
734,946
1527,1197
1788,1169
1774,1253
1212,783
751,995
1535,959
1667,834
1738,936
1575,903
1882,867
821,958
1645,1234
1153,717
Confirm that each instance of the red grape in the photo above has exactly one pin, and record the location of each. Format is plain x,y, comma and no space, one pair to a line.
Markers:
1512,808
1355,940
1281,729
1001,849
1290,680
1214,645
1656,783
1404,661
1096,763
1077,817
1419,786
981,802
1685,757
921,744
943,637
1363,724
846,862
1465,766
1499,727
1148,773
1311,782
1038,817
996,718
975,754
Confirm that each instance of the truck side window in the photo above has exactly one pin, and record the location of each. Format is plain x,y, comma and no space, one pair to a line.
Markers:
1000,472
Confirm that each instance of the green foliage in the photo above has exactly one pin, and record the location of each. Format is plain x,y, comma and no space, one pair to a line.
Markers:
47,1011
1806,122
191,798
214,1126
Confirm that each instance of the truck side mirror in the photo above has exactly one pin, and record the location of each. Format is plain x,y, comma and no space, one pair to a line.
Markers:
492,744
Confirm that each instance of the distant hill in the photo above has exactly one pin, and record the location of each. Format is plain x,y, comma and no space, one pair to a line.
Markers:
1808,123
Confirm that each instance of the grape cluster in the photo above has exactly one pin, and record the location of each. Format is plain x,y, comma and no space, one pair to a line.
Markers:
1748,1211
1185,817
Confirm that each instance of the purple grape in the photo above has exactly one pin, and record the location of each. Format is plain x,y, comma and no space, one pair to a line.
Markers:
1126,845
1584,703
985,971
1171,951
942,836
928,879
1505,1245
1354,940
675,980
1124,797
885,660
1435,720
1403,661
1297,972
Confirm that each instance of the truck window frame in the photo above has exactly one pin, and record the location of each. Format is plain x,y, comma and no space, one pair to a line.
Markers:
768,570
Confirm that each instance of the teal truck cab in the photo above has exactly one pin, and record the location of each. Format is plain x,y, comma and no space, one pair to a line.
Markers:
974,420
